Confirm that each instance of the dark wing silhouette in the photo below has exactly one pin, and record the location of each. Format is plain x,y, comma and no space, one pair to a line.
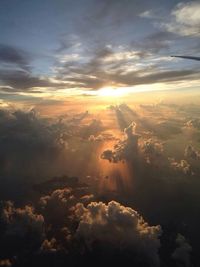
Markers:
188,57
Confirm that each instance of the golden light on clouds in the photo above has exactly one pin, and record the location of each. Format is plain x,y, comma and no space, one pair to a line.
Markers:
111,92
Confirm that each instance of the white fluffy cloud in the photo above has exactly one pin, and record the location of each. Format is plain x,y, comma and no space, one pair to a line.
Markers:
185,19
120,227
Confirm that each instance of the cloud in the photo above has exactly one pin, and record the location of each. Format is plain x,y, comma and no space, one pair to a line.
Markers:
23,228
5,263
185,19
12,55
147,14
153,151
20,80
28,140
16,74
191,153
58,206
183,166
102,137
124,149
183,251
120,227
119,68
49,245
94,127
156,42
66,43
55,207
195,123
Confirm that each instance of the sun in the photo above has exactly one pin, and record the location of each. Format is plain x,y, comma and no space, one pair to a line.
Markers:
111,92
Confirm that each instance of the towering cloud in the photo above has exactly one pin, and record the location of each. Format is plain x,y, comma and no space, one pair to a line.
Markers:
124,149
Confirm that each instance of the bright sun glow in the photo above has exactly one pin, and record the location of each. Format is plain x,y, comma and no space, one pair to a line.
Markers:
111,92
114,92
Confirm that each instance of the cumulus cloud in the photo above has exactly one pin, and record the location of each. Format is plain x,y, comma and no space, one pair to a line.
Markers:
27,139
182,166
23,228
5,263
151,147
93,128
183,251
195,123
49,245
101,137
120,227
56,206
124,149
152,150
191,153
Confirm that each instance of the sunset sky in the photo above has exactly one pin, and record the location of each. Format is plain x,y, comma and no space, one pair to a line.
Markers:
52,49
99,133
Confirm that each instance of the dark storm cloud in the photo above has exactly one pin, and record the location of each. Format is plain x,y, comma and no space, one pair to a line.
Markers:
12,55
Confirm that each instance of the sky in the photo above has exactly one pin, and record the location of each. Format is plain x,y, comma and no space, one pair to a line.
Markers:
52,49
